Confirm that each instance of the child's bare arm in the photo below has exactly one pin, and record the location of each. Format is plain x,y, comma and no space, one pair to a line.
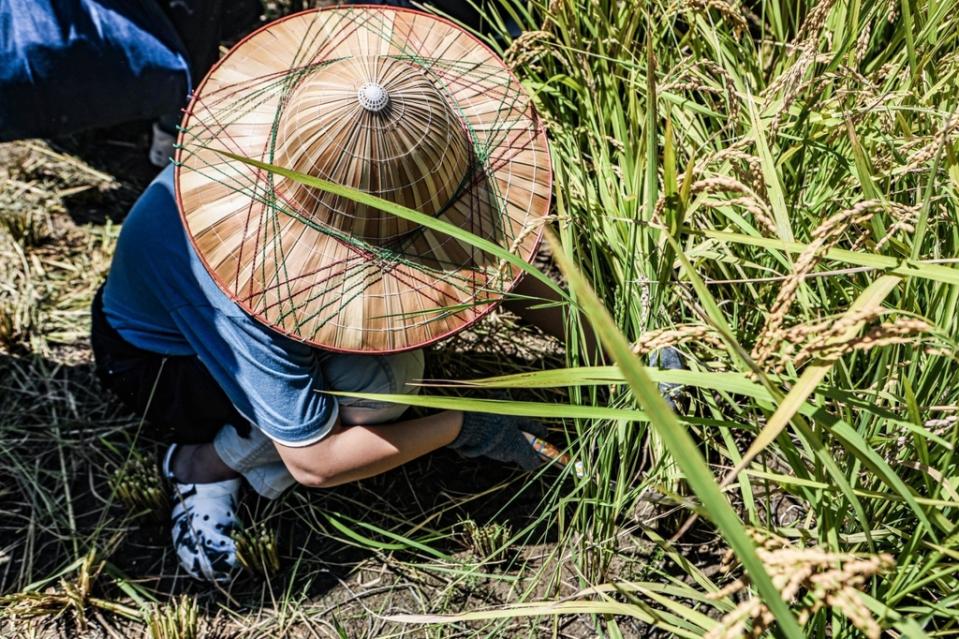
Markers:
357,452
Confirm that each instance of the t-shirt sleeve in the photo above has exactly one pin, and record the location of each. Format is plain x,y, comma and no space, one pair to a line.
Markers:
271,379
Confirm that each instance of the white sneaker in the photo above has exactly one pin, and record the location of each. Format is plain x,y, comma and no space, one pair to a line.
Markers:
161,148
204,516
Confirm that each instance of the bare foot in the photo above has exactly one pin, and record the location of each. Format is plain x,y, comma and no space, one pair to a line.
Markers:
199,464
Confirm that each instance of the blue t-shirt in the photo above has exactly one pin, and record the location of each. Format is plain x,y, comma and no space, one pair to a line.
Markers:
160,297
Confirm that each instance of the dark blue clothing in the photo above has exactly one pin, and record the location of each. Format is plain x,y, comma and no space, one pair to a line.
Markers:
160,298
67,65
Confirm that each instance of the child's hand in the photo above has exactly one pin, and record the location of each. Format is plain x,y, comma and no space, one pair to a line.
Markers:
499,437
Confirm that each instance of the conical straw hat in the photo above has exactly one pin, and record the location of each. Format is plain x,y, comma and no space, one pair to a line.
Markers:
399,104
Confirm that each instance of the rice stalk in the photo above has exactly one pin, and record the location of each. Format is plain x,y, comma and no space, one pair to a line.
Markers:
256,549
177,619
817,578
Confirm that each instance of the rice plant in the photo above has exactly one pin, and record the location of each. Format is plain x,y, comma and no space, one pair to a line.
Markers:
138,486
175,620
488,541
256,549
771,188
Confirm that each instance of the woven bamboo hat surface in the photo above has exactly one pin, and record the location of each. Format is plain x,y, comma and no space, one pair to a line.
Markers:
396,103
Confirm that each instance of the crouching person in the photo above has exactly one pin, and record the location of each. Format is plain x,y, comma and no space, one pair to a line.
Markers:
241,400
236,298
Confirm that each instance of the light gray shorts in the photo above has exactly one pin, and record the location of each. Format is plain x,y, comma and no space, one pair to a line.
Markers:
255,457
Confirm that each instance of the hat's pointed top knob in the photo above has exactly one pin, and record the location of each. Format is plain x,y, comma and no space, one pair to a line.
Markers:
373,97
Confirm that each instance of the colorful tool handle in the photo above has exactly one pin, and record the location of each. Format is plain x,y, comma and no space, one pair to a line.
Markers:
550,453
